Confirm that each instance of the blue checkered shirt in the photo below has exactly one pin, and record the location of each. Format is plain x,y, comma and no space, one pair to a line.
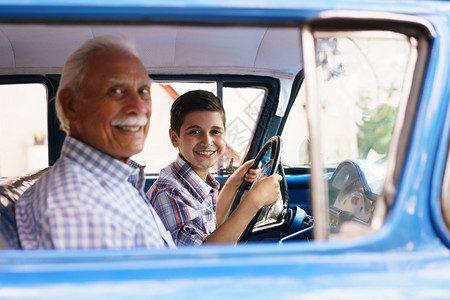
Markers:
89,200
185,203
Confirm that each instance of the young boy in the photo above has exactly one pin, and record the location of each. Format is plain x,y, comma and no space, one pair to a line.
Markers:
185,194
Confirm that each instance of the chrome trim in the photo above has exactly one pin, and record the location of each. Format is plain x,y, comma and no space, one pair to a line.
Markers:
319,194
445,194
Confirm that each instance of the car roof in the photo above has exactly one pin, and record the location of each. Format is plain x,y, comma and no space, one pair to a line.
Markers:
37,36
43,49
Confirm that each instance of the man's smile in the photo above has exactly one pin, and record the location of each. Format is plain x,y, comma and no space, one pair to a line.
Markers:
129,128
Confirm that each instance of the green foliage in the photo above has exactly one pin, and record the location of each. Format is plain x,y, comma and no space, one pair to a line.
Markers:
375,132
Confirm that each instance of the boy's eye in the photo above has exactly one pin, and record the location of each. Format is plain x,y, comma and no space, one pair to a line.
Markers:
216,132
194,132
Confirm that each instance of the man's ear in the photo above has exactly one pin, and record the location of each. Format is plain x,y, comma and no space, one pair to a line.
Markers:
173,137
69,104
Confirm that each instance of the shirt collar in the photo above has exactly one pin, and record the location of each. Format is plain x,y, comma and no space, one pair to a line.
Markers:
101,164
207,187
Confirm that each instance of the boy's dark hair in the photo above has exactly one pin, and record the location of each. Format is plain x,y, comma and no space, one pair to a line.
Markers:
198,100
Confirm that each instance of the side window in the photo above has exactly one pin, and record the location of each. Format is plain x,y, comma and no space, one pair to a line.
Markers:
241,107
23,128
352,105
360,82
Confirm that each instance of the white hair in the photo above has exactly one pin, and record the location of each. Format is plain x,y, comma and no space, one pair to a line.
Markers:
75,67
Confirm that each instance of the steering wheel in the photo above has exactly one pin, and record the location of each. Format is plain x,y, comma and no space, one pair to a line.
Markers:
272,216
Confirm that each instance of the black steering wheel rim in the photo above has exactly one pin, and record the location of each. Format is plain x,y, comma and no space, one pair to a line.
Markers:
275,145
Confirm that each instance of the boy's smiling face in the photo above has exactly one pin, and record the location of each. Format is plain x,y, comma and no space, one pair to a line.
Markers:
201,140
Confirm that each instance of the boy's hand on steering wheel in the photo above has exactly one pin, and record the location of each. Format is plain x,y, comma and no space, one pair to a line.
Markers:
265,191
243,173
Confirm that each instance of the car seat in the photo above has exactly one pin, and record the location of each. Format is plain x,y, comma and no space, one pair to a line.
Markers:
10,190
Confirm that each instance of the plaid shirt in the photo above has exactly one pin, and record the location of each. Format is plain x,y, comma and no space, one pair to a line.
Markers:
89,200
185,203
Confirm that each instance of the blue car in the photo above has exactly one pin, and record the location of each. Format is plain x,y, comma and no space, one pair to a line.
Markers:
347,100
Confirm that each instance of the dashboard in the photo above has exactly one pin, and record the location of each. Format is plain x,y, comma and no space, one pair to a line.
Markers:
353,191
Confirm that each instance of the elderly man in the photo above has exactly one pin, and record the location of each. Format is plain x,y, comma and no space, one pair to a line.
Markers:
93,196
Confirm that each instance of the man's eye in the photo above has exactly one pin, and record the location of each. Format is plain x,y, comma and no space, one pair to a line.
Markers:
194,132
216,132
145,93
115,91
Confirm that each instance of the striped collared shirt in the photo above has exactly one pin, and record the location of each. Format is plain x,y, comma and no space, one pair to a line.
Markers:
89,200
185,203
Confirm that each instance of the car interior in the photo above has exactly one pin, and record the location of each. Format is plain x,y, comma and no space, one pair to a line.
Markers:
231,60
232,56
